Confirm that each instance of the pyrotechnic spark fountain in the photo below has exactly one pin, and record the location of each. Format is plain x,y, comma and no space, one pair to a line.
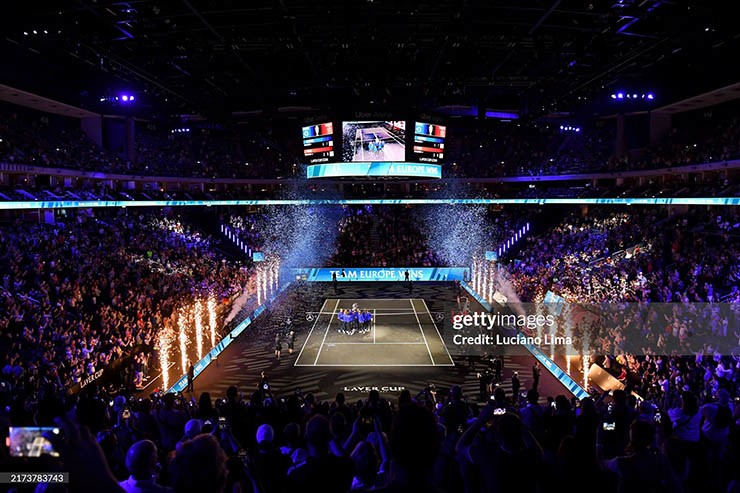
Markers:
212,319
267,278
484,286
275,272
199,328
586,362
491,283
568,332
182,323
259,286
164,343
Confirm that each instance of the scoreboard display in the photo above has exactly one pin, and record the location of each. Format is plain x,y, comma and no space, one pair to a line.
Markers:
318,142
429,142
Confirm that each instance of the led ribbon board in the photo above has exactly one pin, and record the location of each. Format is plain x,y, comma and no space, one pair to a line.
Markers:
374,168
364,274
87,204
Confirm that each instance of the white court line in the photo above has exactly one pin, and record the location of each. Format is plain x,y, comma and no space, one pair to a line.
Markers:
396,139
374,326
375,343
422,332
309,333
326,333
349,365
385,314
377,299
438,333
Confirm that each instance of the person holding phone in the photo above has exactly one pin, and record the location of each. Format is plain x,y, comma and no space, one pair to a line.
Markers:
508,457
644,467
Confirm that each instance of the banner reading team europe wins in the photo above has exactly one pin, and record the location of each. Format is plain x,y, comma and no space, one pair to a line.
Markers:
382,274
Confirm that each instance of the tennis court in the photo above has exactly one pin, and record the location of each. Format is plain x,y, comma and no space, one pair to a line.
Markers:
403,332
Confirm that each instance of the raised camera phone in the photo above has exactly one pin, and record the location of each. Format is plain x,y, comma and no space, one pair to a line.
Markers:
31,441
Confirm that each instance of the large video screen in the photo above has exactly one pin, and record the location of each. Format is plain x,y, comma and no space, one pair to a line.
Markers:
429,142
318,142
367,141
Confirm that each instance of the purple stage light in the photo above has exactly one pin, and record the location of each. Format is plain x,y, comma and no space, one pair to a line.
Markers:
614,96
650,96
620,95
501,114
124,98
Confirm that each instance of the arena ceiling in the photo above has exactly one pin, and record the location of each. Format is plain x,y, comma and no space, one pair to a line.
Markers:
234,56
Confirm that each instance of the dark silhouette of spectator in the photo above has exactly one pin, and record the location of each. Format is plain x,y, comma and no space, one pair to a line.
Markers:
322,471
142,462
644,468
199,466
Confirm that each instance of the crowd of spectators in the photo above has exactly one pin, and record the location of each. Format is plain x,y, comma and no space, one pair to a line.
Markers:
526,150
27,137
72,310
81,294
694,139
486,150
44,140
78,295
381,236
249,228
643,255
435,441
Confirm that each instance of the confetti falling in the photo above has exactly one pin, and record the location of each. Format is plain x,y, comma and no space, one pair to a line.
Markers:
301,235
457,233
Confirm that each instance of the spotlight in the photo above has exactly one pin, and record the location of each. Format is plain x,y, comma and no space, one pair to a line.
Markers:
620,95
650,96
614,96
124,98
634,96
